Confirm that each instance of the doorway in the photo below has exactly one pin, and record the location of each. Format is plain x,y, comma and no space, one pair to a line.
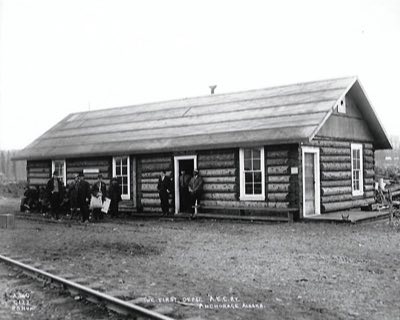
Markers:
311,182
187,164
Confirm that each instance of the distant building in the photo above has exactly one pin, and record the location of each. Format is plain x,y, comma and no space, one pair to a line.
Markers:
308,146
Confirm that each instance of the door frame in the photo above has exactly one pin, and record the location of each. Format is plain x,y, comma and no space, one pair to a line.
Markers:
317,189
176,176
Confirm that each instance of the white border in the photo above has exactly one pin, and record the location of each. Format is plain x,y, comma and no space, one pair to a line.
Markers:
53,167
357,146
124,196
176,177
317,180
243,195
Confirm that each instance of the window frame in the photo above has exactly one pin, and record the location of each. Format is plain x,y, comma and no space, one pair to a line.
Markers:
360,192
53,168
243,195
114,169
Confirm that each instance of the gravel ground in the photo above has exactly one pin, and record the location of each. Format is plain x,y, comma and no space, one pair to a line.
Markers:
242,270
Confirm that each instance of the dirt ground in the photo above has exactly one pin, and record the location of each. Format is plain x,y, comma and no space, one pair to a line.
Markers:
227,270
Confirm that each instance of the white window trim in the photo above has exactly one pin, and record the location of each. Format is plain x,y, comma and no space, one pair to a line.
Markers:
53,168
124,196
176,176
243,195
357,146
317,178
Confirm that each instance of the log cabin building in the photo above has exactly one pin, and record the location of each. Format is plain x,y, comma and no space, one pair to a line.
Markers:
308,146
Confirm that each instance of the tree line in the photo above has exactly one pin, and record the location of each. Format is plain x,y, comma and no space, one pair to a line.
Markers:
11,171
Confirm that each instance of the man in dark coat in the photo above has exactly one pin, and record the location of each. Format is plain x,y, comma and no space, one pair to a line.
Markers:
83,197
99,191
184,195
196,188
114,192
55,191
164,189
73,196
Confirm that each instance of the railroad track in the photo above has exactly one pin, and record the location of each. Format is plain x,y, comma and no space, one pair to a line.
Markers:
76,289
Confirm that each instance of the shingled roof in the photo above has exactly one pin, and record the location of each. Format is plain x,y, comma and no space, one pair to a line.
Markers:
292,113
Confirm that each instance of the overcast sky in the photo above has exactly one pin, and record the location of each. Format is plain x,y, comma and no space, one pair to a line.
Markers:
58,57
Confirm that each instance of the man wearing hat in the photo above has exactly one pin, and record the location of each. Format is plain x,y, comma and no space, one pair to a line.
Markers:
164,190
83,197
73,195
99,190
55,192
196,188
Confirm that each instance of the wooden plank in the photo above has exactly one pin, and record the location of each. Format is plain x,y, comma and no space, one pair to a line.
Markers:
368,159
335,151
219,179
338,166
368,146
369,187
278,179
237,217
335,191
216,164
335,175
223,187
152,175
277,197
216,157
281,154
156,159
151,195
332,143
219,196
217,172
39,170
335,183
344,205
368,152
336,198
88,163
158,167
149,202
37,181
45,175
278,188
335,159
277,161
278,170
369,173
368,165
38,164
80,169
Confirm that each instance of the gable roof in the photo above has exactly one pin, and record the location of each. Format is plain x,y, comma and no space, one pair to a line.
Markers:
284,114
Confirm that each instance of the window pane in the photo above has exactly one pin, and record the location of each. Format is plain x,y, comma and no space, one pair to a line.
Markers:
248,177
118,170
247,164
124,170
257,188
124,189
247,154
256,153
256,164
125,180
125,161
249,188
257,177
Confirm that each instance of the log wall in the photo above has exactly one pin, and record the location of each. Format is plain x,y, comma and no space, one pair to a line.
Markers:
38,172
104,164
335,173
148,171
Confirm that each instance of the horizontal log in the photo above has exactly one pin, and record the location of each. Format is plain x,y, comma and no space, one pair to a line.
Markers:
335,175
328,191
278,170
217,172
149,180
369,188
219,196
152,175
147,209
88,163
89,175
149,187
216,157
369,173
336,198
336,183
279,188
338,166
332,143
344,205
277,161
274,204
152,202
369,194
335,159
216,164
368,152
45,175
277,197
368,146
38,164
235,204
151,195
278,154
279,179
80,169
156,167
223,187
156,159
335,151
37,181
369,181
368,159
39,170
368,165
219,179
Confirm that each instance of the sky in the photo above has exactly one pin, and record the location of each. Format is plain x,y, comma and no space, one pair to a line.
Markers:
59,57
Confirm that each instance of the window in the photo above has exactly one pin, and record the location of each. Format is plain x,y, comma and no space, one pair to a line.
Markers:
60,168
121,171
356,169
252,174
342,106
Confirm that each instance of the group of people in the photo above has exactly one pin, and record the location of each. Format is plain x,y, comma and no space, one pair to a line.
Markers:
190,191
76,197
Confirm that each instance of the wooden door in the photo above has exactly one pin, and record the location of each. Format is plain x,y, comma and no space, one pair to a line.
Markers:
311,201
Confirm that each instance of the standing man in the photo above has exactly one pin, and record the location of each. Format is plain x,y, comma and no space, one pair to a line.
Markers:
83,197
99,191
114,192
55,190
164,189
73,196
196,188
